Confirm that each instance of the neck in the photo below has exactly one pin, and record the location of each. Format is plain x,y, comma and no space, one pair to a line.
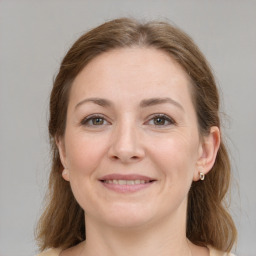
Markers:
165,238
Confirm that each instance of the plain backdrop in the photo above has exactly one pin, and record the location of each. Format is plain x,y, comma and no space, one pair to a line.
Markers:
34,36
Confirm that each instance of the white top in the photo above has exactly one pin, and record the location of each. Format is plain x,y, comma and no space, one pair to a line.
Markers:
56,252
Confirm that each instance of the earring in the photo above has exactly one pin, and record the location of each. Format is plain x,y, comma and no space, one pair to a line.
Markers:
65,174
201,175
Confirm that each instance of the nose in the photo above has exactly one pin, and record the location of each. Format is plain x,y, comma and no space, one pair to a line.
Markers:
126,145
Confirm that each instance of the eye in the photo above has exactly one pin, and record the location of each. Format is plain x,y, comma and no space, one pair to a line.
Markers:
161,120
94,120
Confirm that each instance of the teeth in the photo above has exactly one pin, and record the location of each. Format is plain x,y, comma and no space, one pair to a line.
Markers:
122,182
126,182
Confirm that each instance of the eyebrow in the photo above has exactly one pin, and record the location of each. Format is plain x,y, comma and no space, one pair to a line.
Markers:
99,101
144,103
157,101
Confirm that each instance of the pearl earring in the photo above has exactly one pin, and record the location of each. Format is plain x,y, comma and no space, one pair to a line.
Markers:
65,174
201,175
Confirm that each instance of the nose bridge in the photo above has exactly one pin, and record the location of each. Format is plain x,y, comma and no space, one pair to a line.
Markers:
126,144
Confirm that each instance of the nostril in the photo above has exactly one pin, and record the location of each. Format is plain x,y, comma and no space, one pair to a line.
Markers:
125,154
133,157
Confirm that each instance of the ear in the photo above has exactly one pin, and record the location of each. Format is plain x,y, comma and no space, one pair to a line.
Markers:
207,153
62,152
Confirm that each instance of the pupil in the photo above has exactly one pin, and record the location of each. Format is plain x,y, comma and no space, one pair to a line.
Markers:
159,120
97,121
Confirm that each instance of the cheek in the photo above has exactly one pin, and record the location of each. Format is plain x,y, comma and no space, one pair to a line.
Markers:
84,153
176,155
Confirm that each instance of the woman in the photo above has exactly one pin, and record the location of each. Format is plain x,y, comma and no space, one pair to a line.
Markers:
139,167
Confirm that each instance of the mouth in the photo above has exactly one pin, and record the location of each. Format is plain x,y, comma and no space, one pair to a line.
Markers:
126,183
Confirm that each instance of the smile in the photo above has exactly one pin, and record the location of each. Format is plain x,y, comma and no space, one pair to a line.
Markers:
126,182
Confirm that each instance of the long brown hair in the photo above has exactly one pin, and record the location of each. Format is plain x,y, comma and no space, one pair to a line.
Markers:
208,221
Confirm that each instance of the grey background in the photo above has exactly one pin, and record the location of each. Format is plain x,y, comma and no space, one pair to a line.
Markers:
34,35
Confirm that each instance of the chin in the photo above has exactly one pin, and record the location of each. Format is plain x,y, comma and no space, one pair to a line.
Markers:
128,216
127,222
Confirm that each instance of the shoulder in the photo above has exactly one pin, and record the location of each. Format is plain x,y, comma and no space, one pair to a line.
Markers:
215,252
50,252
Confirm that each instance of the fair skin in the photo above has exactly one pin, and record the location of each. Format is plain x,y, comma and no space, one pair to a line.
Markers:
131,150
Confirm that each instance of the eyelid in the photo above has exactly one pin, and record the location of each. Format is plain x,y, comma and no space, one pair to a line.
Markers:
162,115
88,118
166,117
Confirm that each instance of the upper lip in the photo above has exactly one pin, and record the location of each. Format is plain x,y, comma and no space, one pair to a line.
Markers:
116,176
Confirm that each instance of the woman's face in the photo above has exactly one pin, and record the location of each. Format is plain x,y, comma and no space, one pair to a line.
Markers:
131,145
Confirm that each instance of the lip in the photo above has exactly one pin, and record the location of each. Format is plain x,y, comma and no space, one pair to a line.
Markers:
116,176
126,188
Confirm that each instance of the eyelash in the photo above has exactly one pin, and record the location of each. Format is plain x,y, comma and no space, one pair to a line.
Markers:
164,117
85,121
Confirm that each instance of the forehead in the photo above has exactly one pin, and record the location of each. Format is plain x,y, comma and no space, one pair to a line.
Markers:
136,72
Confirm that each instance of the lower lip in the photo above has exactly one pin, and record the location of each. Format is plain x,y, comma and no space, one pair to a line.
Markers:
127,188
